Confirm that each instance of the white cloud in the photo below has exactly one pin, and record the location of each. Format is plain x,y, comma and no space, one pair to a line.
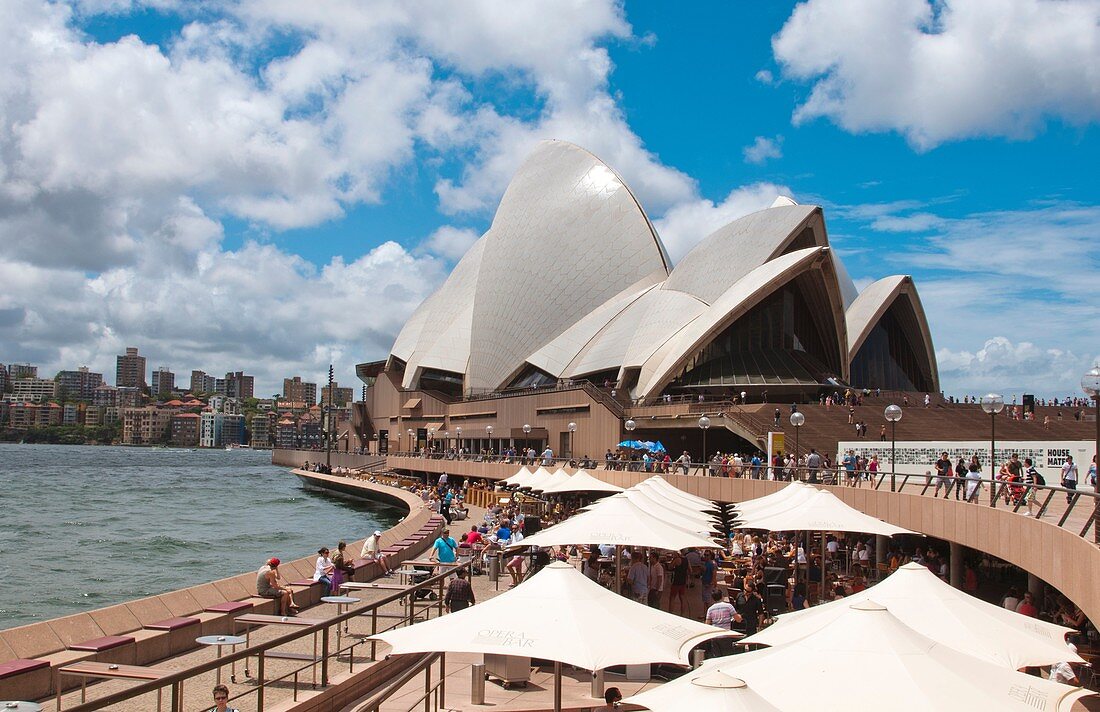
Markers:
450,242
763,149
940,71
764,76
1003,366
687,223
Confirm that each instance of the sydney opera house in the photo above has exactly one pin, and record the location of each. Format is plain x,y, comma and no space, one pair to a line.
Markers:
569,311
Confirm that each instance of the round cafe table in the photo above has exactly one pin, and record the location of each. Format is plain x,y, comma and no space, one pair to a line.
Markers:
218,642
15,706
342,602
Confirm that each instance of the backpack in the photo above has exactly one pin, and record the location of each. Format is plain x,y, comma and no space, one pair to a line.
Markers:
1036,477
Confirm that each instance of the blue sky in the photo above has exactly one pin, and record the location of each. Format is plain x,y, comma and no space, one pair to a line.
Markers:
273,186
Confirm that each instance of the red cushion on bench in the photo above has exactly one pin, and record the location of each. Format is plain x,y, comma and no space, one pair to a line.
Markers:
306,582
173,623
21,665
229,607
98,645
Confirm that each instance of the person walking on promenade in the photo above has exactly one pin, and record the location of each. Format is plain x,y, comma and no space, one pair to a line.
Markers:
221,700
323,569
444,549
343,568
656,580
269,584
960,477
459,594
1069,477
973,481
943,475
638,577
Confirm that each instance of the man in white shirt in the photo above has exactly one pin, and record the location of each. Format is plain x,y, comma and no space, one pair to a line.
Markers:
1063,672
1069,477
372,551
722,614
547,457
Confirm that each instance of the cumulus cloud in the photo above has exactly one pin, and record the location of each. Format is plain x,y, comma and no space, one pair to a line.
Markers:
1003,366
450,242
686,224
941,71
763,149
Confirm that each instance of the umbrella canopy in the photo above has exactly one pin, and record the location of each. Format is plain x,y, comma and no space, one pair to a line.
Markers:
713,691
581,481
790,493
559,614
632,444
560,476
894,666
674,505
662,485
618,522
822,511
948,616
519,478
696,523
541,475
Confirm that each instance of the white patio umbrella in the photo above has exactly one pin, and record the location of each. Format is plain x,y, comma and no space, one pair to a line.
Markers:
867,659
541,475
691,523
581,481
521,476
712,691
822,511
559,614
948,616
794,493
560,476
679,505
622,523
662,484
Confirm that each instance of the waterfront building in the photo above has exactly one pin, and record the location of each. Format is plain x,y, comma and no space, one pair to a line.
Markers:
145,426
34,390
79,385
24,415
184,429
202,383
22,370
105,396
130,397
130,369
93,416
286,433
4,385
341,397
295,389
571,284
71,414
164,381
4,408
262,429
111,415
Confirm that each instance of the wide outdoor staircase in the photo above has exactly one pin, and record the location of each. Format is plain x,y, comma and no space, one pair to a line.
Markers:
825,427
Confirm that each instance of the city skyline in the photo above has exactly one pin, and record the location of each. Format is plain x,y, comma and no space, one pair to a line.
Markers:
301,180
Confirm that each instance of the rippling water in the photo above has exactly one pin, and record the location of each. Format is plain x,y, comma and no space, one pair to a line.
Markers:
87,527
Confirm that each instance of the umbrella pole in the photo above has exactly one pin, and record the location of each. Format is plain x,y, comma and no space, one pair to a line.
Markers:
557,686
824,568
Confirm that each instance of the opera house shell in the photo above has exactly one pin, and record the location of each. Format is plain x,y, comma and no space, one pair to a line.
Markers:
571,281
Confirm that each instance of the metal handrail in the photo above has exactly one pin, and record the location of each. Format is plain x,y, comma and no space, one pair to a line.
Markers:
177,678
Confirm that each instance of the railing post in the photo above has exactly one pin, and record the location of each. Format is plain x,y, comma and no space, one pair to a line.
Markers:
260,680
442,681
374,631
428,687
324,656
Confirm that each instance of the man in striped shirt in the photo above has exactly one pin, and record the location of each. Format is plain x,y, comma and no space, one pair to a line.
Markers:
722,614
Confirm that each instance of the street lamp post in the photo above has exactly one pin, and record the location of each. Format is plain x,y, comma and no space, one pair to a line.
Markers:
431,440
489,432
797,420
526,437
893,414
458,438
1090,384
704,424
572,429
992,403
412,442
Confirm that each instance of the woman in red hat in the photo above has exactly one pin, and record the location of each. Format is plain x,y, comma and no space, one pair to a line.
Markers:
270,585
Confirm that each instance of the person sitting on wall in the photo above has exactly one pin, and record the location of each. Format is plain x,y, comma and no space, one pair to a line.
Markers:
372,551
269,584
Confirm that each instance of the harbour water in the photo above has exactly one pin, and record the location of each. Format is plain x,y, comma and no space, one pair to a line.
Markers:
88,527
